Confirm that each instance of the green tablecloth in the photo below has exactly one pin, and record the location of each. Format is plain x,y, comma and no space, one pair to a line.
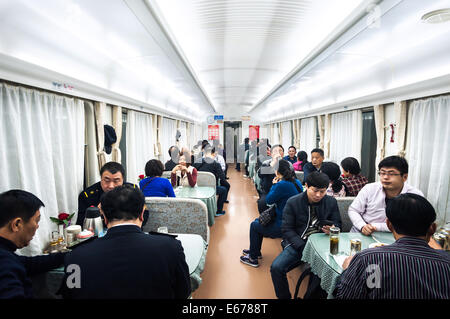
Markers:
46,285
206,194
317,254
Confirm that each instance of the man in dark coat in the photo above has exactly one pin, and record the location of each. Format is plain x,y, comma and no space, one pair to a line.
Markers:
19,220
112,174
305,214
126,262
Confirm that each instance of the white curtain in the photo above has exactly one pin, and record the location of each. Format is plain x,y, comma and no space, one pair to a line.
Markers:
428,151
91,167
286,135
167,131
308,135
346,136
140,141
42,152
183,141
276,134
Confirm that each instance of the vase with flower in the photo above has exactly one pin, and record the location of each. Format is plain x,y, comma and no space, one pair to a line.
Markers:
62,221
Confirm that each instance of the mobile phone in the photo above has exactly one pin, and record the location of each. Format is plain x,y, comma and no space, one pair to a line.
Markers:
325,222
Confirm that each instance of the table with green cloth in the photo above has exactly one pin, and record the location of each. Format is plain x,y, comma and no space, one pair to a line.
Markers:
46,285
317,254
206,194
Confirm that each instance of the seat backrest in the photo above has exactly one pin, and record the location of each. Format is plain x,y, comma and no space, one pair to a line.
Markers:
166,174
179,215
343,205
206,179
299,175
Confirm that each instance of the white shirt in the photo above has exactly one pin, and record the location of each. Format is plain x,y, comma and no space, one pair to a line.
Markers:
369,207
219,159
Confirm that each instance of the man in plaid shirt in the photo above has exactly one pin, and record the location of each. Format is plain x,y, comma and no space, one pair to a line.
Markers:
352,178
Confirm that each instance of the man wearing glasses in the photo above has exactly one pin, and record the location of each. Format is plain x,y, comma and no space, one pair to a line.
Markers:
368,210
112,174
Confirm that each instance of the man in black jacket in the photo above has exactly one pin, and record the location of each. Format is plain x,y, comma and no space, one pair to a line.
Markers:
303,215
126,262
209,164
112,174
19,220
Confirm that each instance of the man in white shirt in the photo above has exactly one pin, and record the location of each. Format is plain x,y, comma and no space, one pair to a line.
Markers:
219,159
368,210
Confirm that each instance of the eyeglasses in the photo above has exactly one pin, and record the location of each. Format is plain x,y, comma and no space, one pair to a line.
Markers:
382,173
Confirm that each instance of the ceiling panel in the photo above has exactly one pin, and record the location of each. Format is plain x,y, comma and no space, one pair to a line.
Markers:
247,43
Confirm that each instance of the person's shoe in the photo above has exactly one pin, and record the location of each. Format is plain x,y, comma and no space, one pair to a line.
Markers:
220,213
246,252
245,176
248,261
227,201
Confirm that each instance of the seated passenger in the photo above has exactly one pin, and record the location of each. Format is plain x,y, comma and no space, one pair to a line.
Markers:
285,185
368,210
291,157
173,161
336,188
302,159
184,174
317,157
19,220
112,174
303,215
208,164
352,177
266,174
127,263
154,185
406,269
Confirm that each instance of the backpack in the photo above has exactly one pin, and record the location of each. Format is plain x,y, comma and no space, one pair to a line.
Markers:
314,291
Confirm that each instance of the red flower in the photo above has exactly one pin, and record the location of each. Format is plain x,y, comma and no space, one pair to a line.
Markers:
141,176
63,216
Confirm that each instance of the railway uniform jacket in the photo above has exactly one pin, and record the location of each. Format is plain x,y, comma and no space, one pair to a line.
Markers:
128,263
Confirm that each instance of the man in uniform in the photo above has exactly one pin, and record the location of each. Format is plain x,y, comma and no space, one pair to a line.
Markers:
126,262
112,175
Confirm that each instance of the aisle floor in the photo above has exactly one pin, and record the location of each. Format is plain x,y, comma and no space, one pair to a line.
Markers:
225,277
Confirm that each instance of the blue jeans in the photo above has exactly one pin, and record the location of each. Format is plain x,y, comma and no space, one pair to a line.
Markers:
258,232
285,262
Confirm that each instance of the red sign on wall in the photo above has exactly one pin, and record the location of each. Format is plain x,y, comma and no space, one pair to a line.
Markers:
253,132
213,132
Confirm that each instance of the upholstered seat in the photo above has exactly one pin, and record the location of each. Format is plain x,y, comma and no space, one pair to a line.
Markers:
179,215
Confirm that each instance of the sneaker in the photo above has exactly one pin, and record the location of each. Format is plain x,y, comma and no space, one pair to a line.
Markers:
245,176
220,213
246,252
248,261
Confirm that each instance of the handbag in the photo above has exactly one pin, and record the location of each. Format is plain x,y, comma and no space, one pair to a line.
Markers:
268,216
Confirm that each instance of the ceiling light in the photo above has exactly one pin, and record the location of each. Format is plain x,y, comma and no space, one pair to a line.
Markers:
437,16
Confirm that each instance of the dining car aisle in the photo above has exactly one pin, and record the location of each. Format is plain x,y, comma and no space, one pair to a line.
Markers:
224,276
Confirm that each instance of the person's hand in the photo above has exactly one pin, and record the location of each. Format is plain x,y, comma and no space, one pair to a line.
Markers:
347,262
326,229
368,229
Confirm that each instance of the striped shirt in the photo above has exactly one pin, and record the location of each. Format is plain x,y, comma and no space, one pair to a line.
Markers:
407,269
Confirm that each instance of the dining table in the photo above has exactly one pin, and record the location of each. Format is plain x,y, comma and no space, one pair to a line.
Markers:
46,285
328,267
206,194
